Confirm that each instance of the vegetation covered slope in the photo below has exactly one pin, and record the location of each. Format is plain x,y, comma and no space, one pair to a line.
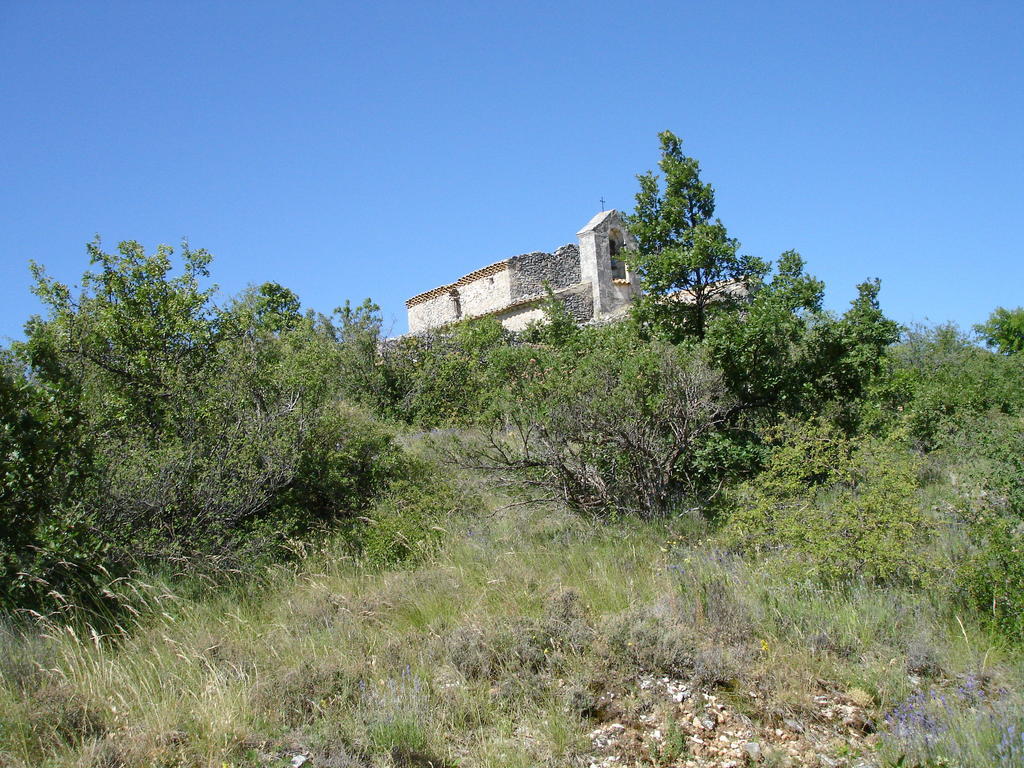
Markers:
526,636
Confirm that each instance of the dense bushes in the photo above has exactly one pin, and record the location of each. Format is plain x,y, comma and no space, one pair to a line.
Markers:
616,418
144,423
987,460
45,531
844,507
410,518
445,378
610,422
938,382
784,355
817,425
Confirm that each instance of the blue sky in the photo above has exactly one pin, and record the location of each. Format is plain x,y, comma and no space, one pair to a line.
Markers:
379,149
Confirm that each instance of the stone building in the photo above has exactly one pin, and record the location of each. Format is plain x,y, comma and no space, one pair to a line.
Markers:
589,277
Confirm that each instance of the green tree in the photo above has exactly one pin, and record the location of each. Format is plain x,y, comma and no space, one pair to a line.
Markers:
848,353
357,330
1004,330
763,350
197,418
688,265
139,421
133,336
268,307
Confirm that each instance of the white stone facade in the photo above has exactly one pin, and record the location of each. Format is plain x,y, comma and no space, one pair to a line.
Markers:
590,278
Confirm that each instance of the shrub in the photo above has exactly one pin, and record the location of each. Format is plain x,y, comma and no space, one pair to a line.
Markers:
408,521
558,326
992,574
347,461
153,426
444,377
652,642
991,475
255,456
845,508
46,537
947,383
611,423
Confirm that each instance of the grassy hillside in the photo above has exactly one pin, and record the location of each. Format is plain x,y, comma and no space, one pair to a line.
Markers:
526,635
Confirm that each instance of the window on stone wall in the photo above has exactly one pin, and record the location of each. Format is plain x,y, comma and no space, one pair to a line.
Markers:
456,304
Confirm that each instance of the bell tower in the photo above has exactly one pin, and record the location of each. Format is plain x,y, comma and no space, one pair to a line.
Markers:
602,242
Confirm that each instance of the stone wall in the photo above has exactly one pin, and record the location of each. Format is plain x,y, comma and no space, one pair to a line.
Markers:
478,293
517,318
530,271
431,313
485,294
580,302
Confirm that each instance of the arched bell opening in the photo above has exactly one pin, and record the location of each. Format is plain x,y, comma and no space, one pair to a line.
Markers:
615,244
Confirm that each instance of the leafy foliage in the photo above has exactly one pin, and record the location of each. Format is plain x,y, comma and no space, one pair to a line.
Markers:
939,382
189,430
134,336
408,521
611,422
764,352
144,424
786,355
850,351
43,532
842,508
991,469
1004,330
557,328
445,378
